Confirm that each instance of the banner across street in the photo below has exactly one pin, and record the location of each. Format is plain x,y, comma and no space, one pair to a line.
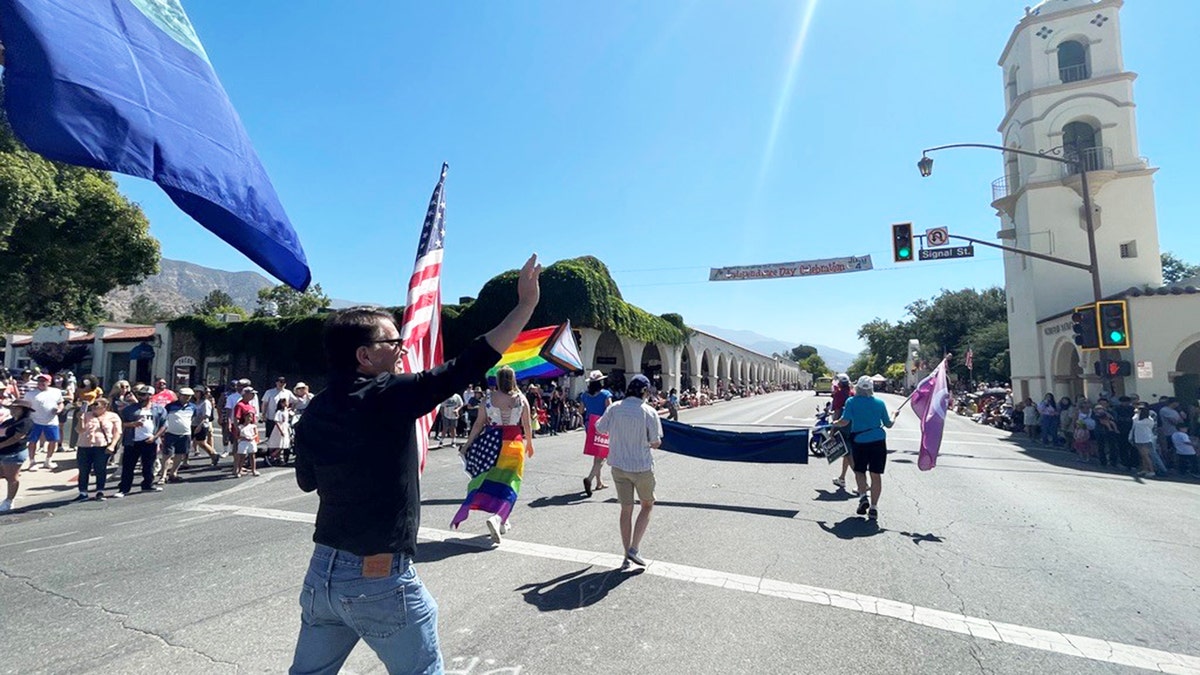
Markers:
801,268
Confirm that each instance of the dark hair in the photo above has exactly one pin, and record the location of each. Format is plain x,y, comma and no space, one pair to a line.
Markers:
348,330
1143,412
595,386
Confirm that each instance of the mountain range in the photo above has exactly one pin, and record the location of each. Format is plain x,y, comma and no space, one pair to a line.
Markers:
836,359
179,285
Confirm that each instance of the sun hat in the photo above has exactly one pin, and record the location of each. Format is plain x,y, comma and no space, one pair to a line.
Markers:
186,391
595,376
20,403
144,389
250,390
300,385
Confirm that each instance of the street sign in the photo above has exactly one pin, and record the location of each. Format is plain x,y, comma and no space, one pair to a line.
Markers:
937,236
944,253
1145,370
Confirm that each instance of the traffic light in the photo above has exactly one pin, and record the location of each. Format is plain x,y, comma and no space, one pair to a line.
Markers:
902,242
1107,367
1114,324
1083,322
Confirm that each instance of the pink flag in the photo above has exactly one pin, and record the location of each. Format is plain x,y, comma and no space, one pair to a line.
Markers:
930,401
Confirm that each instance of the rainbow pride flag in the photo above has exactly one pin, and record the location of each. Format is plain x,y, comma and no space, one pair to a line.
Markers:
542,353
495,490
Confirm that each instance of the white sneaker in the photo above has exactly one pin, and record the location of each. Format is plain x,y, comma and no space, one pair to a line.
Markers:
49,465
493,526
5,505
505,527
839,482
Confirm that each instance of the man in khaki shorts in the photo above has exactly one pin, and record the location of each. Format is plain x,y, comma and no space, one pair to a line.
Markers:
633,429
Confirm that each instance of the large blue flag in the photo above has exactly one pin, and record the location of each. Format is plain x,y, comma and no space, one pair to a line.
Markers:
125,86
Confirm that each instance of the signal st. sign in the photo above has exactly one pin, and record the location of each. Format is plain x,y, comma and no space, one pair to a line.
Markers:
944,253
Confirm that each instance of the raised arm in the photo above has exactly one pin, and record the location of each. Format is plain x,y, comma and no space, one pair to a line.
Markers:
528,292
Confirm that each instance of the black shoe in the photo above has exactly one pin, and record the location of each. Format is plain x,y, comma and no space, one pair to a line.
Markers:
873,513
100,497
216,459
82,497
863,505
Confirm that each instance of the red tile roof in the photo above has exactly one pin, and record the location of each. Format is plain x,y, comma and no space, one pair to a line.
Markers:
130,334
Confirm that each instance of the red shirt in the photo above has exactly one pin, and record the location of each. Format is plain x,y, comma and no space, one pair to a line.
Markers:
244,413
839,397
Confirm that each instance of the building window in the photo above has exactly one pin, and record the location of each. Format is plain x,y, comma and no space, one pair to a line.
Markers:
1129,249
1010,87
1081,141
1072,62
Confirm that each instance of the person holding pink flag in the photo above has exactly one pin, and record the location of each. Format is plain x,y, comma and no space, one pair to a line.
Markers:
930,401
867,416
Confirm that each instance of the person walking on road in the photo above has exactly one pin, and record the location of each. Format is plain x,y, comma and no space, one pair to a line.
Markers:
494,490
99,436
866,416
838,398
356,446
634,429
13,449
144,425
595,401
177,441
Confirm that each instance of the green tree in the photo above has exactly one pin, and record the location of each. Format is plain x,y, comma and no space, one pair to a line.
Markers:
895,372
863,364
801,352
67,237
145,310
217,302
1174,269
284,300
814,364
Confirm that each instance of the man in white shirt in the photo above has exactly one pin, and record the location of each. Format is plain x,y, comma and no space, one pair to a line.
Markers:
633,429
47,403
270,402
451,409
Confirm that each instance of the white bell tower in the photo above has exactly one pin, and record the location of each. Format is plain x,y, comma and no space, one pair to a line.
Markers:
1066,91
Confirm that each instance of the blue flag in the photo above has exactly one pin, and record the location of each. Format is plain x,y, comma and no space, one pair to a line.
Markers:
125,86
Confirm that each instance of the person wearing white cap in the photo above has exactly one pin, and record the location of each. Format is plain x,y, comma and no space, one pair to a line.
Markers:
178,438
47,403
866,416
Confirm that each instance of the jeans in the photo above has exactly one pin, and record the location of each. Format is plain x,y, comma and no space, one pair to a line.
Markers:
1160,467
89,459
130,454
1050,429
395,615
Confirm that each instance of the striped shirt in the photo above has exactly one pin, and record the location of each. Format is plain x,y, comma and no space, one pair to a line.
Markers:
632,426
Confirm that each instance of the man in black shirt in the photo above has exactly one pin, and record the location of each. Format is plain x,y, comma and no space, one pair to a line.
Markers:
357,447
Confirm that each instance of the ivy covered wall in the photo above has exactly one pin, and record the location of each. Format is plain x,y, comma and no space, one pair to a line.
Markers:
580,290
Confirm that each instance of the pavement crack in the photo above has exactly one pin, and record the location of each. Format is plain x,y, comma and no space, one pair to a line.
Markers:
122,619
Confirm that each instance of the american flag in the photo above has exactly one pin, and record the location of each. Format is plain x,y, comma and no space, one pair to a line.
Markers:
421,328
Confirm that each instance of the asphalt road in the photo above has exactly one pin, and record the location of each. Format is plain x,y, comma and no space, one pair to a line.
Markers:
1000,560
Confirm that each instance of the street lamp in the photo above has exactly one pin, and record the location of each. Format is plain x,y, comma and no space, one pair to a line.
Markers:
925,166
1076,161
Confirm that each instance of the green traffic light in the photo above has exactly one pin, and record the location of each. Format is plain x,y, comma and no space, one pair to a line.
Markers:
905,252
1116,337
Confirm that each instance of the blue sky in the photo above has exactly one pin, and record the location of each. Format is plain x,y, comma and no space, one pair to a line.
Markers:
664,138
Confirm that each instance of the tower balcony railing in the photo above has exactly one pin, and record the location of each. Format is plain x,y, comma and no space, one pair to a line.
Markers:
1088,159
1001,188
1074,73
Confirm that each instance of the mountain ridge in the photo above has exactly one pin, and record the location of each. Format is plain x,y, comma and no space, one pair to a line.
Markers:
836,359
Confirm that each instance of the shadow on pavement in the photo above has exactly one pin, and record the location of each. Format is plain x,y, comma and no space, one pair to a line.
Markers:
753,510
838,495
918,538
441,502
577,589
559,500
433,551
853,527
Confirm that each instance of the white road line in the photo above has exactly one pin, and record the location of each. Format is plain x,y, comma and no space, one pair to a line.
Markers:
69,543
774,413
30,541
1023,636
